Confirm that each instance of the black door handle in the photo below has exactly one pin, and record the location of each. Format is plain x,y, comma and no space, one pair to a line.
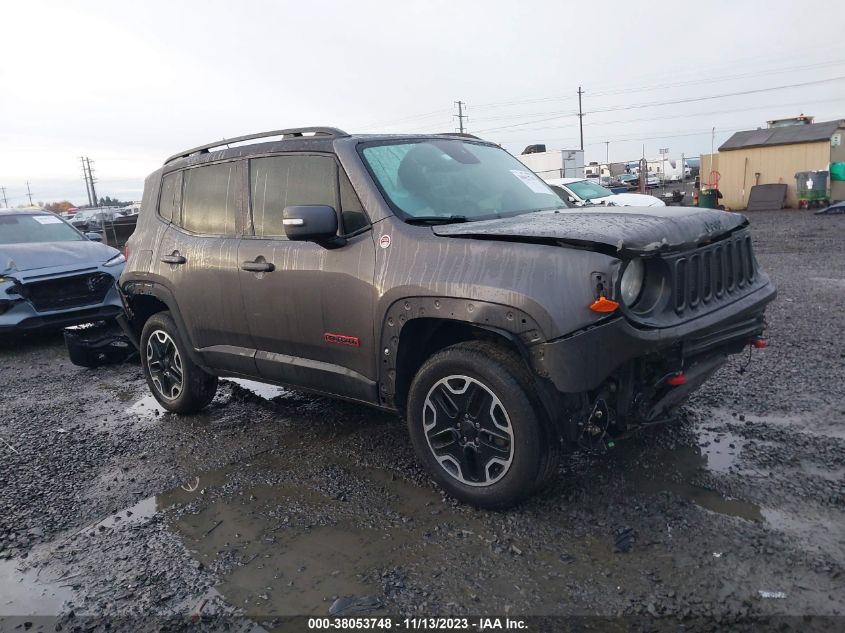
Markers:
258,267
173,259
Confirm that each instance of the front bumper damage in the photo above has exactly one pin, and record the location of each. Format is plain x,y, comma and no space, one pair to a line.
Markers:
56,297
622,375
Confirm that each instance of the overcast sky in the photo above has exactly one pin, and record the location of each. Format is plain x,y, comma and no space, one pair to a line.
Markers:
129,83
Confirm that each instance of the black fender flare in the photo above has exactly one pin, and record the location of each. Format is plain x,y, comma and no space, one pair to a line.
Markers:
163,294
513,324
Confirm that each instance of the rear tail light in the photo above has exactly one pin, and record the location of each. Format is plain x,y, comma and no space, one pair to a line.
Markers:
126,251
677,379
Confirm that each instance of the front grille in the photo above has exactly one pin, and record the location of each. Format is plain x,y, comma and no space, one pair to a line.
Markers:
67,292
712,272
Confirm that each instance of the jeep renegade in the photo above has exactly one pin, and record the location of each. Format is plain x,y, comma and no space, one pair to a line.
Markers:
437,277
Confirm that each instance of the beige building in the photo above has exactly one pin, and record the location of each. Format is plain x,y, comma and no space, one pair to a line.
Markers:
774,155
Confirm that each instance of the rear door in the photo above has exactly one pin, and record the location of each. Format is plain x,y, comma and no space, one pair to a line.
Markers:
199,257
310,311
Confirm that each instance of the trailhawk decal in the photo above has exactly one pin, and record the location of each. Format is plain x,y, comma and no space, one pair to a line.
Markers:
342,339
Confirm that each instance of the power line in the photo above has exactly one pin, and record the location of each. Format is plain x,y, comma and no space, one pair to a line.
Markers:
687,115
720,96
673,102
660,86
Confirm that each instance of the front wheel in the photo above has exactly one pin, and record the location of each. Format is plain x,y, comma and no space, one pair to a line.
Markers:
176,382
474,424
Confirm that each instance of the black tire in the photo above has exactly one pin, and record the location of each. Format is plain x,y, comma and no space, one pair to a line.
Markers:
465,448
166,362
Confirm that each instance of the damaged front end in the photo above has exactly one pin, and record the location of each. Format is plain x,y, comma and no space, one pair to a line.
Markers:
637,365
645,391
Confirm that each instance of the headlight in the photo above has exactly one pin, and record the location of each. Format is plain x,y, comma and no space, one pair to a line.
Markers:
631,284
117,259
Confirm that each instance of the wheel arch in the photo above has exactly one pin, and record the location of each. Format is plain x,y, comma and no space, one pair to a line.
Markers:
142,300
414,328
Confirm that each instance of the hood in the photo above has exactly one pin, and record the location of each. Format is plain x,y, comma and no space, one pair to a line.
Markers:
608,229
30,256
630,200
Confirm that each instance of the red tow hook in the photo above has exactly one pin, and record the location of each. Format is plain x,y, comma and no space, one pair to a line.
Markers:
758,342
676,380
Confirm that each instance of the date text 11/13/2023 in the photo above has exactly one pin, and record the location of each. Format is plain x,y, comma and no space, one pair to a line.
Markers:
418,624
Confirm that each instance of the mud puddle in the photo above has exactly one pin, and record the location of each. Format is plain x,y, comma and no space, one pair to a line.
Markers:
826,422
290,549
281,547
684,470
260,389
30,592
147,406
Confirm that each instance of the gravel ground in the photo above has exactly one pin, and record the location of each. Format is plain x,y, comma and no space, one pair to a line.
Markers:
272,503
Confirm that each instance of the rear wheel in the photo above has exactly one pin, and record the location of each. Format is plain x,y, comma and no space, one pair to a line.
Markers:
475,425
176,382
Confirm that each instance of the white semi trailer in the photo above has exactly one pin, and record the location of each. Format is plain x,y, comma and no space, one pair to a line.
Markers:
555,163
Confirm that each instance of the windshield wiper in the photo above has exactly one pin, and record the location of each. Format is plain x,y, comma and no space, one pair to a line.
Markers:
436,219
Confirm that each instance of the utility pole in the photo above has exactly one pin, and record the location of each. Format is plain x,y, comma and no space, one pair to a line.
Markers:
5,202
85,178
607,158
581,117
461,116
29,193
91,180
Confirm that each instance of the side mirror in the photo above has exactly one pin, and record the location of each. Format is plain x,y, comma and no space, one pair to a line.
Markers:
312,223
94,237
572,199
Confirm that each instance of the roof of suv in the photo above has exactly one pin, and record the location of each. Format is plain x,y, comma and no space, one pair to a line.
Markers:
316,136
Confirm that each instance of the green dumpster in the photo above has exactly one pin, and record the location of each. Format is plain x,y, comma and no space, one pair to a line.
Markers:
812,188
707,199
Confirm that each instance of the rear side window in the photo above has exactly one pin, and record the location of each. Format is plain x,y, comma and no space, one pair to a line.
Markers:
171,194
277,182
208,200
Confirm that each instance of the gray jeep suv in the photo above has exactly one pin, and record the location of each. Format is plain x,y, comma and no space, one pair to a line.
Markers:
433,276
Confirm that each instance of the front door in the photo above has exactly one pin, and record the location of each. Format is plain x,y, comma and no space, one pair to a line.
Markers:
309,309
199,257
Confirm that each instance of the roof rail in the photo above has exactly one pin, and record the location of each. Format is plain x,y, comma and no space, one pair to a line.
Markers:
293,132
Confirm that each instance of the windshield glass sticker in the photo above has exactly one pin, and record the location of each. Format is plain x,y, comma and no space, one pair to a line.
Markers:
530,180
47,219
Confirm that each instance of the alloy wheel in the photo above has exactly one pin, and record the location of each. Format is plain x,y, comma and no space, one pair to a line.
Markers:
468,430
164,364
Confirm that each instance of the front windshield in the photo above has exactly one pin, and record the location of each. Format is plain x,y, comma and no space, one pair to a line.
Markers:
587,190
443,178
22,229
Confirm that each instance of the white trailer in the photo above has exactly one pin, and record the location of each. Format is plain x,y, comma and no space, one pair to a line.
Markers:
669,169
556,163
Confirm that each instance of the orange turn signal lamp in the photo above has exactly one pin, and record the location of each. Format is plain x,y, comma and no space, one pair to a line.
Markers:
603,304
